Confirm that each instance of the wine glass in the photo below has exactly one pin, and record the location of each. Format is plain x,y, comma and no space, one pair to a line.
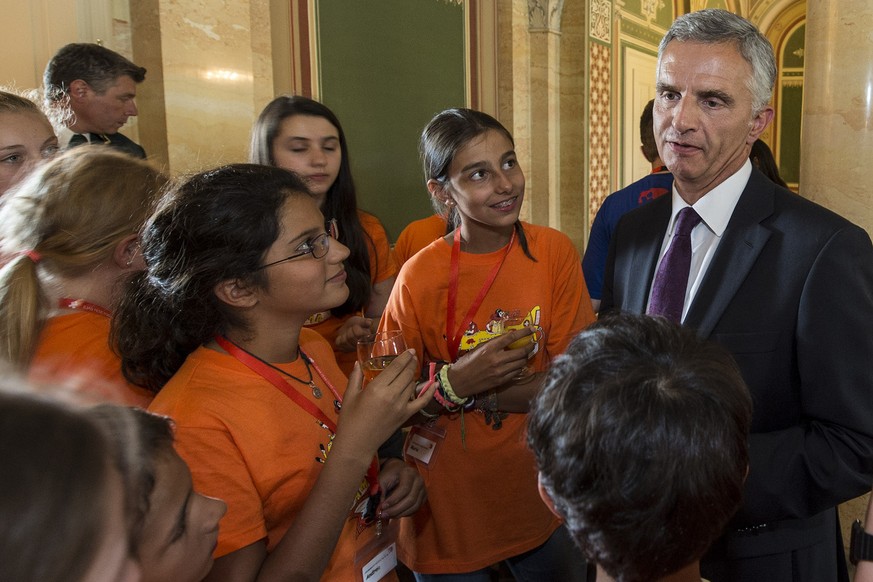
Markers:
377,350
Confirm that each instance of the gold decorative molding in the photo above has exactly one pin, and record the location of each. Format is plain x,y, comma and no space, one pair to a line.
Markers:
601,20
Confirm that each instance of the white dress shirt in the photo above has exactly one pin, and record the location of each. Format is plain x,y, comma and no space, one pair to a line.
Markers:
715,210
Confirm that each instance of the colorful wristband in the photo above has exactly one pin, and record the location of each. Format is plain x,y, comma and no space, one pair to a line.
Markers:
448,392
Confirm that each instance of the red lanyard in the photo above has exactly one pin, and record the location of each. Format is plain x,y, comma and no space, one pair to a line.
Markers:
82,305
274,378
454,341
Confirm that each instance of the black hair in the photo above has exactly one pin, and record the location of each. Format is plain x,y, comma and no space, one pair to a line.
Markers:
762,158
641,434
647,132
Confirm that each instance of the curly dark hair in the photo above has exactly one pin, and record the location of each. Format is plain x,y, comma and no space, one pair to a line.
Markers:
213,227
641,437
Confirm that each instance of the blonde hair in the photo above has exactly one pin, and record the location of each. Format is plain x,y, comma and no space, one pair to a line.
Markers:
68,216
12,102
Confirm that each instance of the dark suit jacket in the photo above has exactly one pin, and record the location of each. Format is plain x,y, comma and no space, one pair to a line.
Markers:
789,292
120,142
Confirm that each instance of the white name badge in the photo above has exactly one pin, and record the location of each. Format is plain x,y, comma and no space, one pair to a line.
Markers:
423,442
381,565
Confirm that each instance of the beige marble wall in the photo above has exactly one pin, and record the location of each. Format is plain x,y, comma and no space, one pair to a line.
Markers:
837,139
216,75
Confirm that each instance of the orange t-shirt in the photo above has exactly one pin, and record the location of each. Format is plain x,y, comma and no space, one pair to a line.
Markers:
382,267
250,445
417,235
74,349
483,505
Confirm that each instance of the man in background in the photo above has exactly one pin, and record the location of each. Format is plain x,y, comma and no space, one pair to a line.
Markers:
92,90
651,186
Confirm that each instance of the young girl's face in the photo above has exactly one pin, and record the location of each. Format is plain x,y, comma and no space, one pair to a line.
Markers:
181,529
309,146
485,183
307,283
26,139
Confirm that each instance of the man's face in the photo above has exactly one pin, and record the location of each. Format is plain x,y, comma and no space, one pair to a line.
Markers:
703,119
105,112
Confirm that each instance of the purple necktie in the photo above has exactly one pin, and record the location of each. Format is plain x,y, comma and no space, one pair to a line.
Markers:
671,280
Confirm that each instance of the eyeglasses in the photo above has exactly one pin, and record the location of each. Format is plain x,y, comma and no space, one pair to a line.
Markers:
317,246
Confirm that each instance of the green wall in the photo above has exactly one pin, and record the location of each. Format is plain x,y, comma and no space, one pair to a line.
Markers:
387,66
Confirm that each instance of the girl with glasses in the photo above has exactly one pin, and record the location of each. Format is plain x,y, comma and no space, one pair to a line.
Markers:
304,136
237,260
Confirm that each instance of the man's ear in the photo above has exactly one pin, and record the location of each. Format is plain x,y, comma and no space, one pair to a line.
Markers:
79,90
127,255
544,495
236,293
760,123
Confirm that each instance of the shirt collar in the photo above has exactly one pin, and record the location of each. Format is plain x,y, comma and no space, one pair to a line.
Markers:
717,205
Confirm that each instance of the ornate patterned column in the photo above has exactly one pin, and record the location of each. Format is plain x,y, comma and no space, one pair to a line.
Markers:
544,175
837,142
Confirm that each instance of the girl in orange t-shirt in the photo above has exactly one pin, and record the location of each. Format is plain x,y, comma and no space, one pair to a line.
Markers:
453,301
237,259
71,230
304,136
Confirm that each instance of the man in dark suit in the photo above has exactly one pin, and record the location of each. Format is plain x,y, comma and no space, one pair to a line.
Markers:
93,90
784,284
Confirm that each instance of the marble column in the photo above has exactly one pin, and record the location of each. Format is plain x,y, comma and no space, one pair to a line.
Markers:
544,177
837,137
837,142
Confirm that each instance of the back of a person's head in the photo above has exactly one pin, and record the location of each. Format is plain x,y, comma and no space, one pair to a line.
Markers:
641,438
65,218
53,490
98,66
647,133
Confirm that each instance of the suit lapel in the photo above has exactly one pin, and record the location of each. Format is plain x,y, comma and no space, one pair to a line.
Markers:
742,242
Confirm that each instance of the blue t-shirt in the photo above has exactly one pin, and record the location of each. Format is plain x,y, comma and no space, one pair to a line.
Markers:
613,208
